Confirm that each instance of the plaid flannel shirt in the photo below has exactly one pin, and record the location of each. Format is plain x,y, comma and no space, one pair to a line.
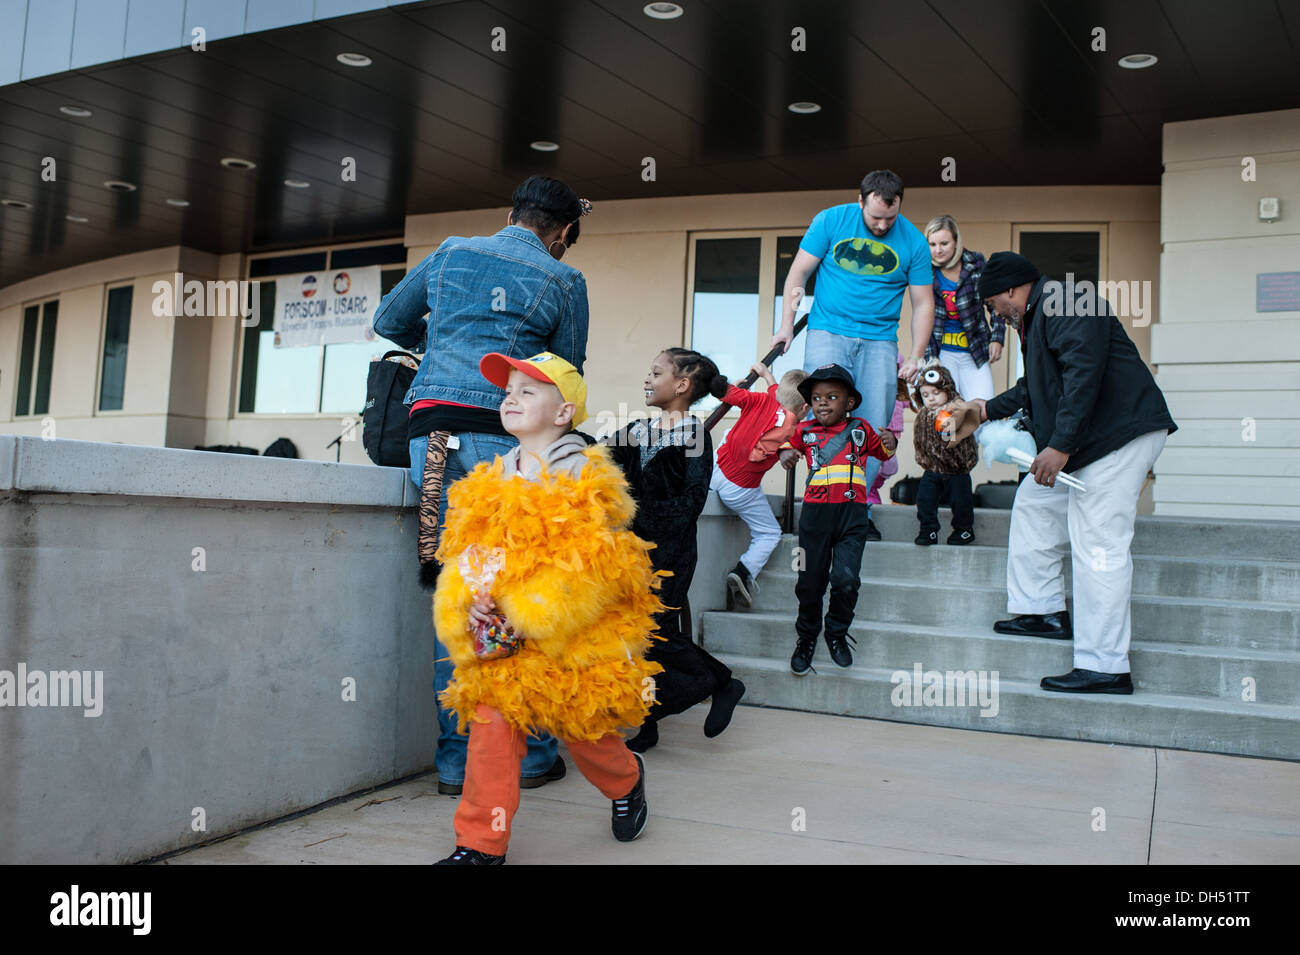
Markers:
971,309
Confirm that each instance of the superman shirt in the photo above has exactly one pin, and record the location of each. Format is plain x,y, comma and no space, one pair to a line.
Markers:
862,277
954,332
839,480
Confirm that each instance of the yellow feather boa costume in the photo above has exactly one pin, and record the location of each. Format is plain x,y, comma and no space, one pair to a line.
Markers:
576,583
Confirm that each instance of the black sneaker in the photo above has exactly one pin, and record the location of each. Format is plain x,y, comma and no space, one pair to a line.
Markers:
927,538
839,647
961,537
741,587
873,534
463,856
555,773
631,812
450,789
801,661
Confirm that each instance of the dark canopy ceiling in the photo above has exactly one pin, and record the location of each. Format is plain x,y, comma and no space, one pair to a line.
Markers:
1011,90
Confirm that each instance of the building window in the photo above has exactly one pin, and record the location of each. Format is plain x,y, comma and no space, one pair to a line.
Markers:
117,330
36,359
312,379
737,284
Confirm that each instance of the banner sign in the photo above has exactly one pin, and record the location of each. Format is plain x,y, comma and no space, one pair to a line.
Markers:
326,308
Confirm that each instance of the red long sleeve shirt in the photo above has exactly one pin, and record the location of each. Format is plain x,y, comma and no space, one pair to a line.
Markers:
752,444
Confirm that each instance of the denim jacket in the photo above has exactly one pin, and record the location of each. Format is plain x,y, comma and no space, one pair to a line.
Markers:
498,293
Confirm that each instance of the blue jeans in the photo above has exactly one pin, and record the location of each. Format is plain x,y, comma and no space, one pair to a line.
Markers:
874,367
452,745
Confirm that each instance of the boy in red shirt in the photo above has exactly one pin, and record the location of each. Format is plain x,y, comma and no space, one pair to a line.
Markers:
767,421
833,519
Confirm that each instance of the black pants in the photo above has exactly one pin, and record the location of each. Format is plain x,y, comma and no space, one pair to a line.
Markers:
933,485
690,674
832,537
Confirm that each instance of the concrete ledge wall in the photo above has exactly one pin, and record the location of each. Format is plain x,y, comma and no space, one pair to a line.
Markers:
222,686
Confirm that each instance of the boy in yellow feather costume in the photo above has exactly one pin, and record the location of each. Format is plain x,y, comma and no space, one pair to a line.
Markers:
575,584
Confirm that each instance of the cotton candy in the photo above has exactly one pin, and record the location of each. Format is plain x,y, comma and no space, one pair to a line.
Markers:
997,436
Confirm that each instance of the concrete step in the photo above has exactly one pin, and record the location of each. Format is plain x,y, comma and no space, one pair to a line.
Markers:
1143,719
1207,538
1239,580
1183,670
1207,622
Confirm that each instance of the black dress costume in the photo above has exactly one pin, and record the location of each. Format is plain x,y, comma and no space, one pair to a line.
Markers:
668,471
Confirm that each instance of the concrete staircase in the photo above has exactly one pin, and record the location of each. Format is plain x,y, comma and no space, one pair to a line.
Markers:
1216,608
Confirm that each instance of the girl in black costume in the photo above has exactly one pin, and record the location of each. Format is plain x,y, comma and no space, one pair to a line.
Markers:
668,463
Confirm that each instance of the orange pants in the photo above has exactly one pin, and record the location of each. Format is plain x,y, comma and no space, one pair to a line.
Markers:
491,794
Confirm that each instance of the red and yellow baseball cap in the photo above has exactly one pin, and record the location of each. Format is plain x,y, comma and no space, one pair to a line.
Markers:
544,366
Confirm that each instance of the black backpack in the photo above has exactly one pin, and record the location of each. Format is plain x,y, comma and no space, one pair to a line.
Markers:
385,417
904,490
281,448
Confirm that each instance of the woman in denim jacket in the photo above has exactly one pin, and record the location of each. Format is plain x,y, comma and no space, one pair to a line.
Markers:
506,293
962,339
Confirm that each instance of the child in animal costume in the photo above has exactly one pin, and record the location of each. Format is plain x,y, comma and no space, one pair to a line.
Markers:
767,419
833,517
574,583
669,463
942,436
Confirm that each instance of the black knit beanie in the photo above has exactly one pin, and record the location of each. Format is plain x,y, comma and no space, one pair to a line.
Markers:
1005,270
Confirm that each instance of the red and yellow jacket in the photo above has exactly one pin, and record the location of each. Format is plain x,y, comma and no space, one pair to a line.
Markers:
840,480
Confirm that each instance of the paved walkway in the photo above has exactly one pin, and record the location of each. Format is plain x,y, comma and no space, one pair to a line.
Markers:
790,787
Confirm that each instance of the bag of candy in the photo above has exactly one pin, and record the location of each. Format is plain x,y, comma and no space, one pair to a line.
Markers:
479,569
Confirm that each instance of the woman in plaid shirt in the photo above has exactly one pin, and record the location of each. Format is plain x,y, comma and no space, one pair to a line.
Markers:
962,338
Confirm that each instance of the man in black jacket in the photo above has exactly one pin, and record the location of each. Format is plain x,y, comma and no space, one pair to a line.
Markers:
1096,413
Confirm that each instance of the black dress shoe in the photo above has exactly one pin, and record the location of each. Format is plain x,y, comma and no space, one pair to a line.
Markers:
723,705
555,773
646,738
1054,626
1089,681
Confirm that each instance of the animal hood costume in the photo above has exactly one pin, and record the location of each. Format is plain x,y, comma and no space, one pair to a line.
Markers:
932,452
576,584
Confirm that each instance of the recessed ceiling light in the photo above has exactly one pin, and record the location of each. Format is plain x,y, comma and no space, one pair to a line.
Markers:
1137,61
354,59
544,146
178,203
803,106
117,185
78,111
15,203
297,183
233,162
662,11
72,218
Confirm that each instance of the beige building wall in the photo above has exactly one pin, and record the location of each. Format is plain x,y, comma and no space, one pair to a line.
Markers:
182,374
1231,374
634,254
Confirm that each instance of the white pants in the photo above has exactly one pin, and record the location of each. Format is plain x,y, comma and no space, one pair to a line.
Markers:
1097,527
971,382
751,504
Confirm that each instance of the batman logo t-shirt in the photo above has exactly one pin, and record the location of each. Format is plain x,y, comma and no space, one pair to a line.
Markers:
862,277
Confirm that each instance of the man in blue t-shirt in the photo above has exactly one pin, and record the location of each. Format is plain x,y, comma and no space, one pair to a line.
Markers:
866,255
